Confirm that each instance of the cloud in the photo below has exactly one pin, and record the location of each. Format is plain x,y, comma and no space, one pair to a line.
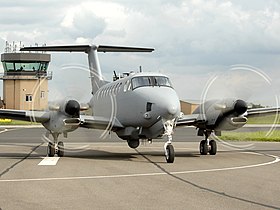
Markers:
194,39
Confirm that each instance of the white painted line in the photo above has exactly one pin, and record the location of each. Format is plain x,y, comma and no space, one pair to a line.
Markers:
49,161
5,130
252,153
276,160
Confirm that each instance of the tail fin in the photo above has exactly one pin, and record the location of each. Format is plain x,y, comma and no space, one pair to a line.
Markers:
94,66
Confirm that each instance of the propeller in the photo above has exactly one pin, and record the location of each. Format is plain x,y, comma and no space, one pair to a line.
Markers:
69,94
246,85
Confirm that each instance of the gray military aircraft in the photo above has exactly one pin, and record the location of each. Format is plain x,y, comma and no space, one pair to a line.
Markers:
138,106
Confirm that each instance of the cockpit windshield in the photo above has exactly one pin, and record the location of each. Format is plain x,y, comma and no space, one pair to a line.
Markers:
150,81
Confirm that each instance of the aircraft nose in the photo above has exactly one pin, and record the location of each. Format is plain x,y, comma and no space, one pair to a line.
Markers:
171,109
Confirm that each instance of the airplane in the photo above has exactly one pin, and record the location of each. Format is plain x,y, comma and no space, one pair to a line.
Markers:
141,105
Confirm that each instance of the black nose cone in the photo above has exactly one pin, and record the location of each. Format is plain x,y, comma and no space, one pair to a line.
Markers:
240,107
72,108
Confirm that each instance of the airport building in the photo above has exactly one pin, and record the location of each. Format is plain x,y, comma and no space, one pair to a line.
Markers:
25,80
188,106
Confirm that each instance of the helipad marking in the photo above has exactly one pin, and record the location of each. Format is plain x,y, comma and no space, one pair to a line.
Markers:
49,161
276,160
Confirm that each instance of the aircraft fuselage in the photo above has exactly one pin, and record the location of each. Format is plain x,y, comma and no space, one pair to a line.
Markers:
140,102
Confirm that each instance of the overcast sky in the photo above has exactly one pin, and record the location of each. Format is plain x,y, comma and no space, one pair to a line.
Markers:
195,41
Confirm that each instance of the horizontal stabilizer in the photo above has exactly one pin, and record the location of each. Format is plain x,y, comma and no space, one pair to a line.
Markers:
104,48
86,48
69,48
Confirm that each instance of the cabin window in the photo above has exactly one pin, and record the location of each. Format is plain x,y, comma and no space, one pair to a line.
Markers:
119,87
111,90
127,86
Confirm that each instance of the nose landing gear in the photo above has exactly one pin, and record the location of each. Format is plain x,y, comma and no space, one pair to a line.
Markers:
168,147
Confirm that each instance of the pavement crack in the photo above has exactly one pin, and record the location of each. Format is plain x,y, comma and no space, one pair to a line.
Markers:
204,188
21,160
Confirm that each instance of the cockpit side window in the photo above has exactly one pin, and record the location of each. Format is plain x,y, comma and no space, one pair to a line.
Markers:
150,81
162,81
141,81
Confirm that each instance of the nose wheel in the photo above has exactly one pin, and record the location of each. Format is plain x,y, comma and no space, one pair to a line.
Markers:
169,153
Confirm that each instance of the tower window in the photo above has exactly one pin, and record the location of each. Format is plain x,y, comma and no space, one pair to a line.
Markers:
42,94
28,97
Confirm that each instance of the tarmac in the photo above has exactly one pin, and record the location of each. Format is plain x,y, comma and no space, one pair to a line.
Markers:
100,171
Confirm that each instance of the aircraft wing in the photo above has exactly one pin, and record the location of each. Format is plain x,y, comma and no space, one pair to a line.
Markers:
198,119
259,112
96,122
31,116
191,119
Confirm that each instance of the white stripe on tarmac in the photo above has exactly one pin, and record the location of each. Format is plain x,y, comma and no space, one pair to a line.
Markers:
276,160
5,130
49,161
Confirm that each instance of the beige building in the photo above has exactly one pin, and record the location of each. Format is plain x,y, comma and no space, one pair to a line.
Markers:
25,80
187,107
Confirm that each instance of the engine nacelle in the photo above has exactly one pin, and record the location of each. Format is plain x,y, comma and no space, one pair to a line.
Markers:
223,114
64,117
70,108
232,123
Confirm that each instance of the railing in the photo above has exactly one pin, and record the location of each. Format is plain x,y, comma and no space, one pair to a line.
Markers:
26,75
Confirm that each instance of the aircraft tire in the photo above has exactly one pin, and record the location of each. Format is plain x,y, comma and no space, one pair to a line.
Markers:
170,154
51,149
203,148
60,151
133,143
213,146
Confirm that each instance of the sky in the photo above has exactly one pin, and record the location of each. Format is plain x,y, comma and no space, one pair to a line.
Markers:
209,48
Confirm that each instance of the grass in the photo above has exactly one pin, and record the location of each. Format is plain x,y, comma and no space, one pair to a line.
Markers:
263,120
17,122
251,136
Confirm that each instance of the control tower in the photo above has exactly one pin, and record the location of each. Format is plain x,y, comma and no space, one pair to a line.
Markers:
25,80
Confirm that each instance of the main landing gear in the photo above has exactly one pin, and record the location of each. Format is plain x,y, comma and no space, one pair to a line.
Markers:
208,146
54,147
